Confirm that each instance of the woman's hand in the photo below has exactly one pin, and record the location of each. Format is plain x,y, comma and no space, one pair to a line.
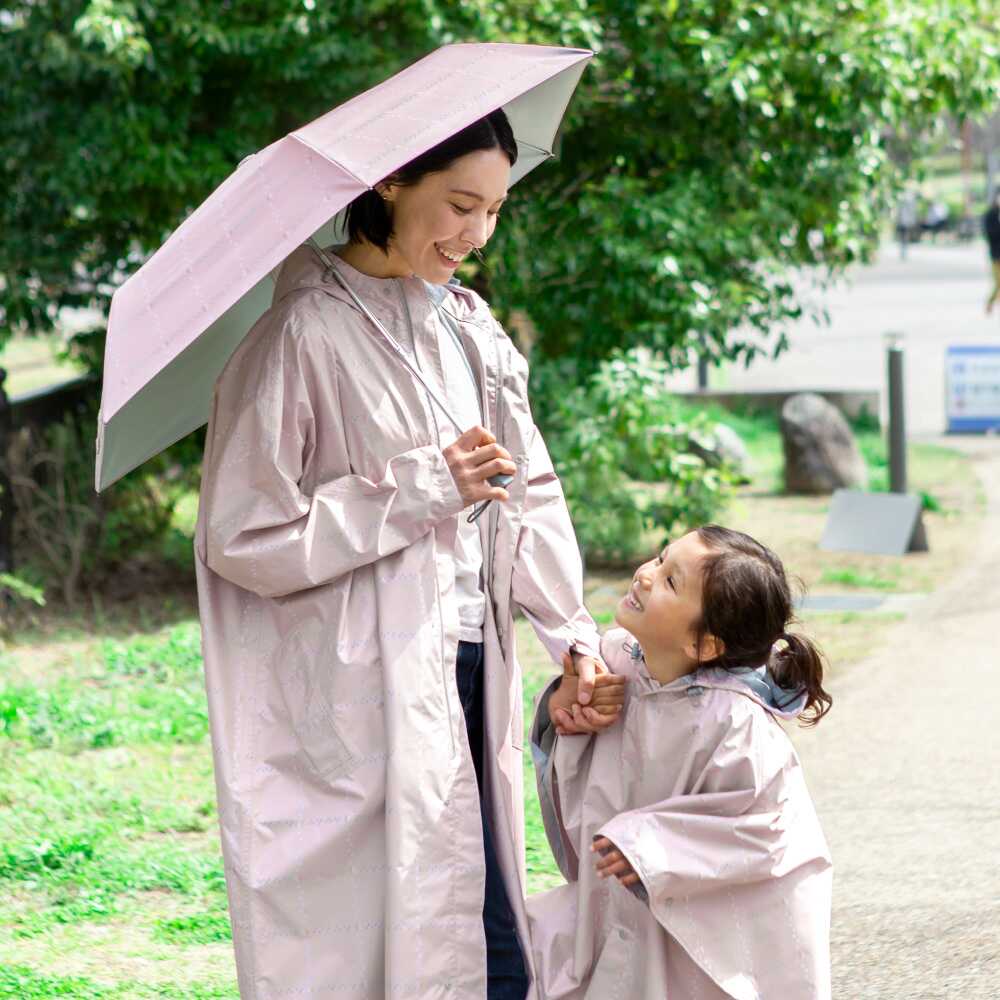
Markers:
570,717
472,459
611,861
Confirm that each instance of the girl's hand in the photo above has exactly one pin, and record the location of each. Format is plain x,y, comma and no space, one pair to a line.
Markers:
570,717
611,861
563,697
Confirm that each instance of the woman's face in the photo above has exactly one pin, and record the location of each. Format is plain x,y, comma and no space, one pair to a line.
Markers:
437,221
663,604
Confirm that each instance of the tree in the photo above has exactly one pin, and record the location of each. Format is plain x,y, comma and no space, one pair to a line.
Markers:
714,146
121,117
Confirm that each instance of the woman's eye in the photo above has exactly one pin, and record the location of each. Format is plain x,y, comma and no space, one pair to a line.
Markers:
460,210
670,580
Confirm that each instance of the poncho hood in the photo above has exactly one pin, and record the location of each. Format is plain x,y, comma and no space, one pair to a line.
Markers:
755,682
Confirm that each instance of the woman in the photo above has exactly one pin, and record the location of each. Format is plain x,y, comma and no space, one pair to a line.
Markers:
364,692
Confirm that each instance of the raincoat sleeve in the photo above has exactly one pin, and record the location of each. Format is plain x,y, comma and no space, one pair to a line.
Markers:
265,531
561,789
732,829
547,582
559,795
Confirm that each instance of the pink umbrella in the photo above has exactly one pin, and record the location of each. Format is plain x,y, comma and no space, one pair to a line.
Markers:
176,321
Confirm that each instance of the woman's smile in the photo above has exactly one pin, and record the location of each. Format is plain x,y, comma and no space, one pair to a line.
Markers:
450,258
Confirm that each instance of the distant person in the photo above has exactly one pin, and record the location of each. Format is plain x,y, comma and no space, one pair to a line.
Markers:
991,230
907,221
936,218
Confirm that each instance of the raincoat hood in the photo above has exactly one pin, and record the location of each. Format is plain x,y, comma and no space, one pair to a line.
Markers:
305,270
782,702
756,683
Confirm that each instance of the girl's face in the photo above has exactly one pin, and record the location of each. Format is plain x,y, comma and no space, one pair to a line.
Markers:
437,221
663,605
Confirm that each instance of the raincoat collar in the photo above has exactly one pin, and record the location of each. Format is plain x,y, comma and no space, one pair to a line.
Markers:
305,269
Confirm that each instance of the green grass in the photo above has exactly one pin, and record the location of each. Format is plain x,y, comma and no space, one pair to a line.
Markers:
108,819
857,578
760,431
198,928
106,708
19,982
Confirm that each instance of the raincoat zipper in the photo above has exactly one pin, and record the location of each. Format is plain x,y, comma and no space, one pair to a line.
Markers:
437,588
493,520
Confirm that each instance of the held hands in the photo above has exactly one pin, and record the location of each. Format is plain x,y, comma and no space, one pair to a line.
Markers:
472,459
611,861
589,699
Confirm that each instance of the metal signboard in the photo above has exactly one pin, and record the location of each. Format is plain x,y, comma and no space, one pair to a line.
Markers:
888,524
972,389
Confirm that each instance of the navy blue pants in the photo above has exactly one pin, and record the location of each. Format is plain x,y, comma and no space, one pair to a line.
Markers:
505,971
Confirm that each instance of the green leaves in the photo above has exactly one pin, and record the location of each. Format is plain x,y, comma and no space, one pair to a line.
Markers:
113,27
623,451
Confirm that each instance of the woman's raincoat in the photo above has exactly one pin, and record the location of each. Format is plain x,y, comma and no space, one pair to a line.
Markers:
347,796
699,787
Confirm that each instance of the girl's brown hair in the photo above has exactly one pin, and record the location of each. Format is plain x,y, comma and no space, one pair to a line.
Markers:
747,604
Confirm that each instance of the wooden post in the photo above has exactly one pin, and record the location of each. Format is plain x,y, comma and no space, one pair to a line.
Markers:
6,493
897,417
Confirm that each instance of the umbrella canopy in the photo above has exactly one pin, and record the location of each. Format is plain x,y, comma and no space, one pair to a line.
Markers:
177,320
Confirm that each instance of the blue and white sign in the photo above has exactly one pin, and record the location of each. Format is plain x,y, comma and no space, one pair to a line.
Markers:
972,389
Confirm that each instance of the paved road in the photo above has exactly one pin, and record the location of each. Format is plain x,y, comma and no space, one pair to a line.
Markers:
905,772
935,296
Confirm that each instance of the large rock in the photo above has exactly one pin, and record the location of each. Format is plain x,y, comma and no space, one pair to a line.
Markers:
821,454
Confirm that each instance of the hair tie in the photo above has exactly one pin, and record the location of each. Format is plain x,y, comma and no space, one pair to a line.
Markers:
786,639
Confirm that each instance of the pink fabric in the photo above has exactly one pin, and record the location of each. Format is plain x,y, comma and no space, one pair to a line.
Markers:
286,192
422,105
347,796
701,789
251,222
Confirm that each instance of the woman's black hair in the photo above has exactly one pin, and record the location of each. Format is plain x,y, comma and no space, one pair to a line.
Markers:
746,602
367,216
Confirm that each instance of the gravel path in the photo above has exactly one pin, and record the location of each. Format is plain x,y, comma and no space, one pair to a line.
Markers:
905,772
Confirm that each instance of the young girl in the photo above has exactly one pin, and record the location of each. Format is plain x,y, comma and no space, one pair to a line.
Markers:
695,861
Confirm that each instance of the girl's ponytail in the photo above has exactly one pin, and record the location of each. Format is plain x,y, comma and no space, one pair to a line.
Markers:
799,666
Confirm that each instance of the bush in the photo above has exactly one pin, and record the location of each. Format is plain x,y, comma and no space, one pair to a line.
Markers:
63,530
623,449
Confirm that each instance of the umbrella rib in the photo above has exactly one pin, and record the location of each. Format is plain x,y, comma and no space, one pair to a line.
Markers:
330,159
537,149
